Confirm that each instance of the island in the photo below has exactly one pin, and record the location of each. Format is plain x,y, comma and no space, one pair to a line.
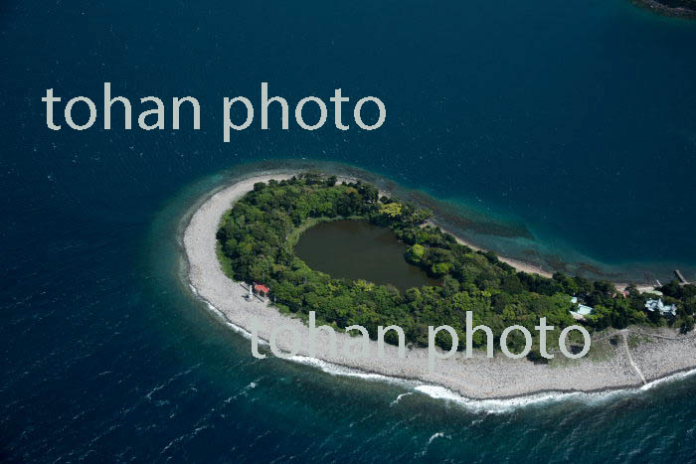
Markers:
678,8
243,259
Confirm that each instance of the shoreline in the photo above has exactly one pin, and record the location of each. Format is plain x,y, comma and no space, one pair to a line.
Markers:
671,11
516,263
617,367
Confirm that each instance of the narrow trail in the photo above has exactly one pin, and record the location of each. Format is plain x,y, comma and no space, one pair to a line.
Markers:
624,334
690,336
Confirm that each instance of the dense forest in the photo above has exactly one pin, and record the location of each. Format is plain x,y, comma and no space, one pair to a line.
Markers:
257,236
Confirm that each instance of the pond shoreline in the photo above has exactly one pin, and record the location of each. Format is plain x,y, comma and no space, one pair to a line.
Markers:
356,249
619,366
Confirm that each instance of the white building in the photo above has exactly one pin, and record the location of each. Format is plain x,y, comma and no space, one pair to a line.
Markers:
658,305
581,310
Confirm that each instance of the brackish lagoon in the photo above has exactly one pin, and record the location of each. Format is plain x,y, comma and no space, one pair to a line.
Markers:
359,250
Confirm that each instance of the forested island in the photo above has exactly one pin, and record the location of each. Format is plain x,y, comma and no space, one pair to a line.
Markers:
256,240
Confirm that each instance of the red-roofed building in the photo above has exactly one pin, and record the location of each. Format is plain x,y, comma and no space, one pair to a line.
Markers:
261,289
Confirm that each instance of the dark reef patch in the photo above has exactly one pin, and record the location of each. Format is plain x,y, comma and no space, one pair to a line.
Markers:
678,8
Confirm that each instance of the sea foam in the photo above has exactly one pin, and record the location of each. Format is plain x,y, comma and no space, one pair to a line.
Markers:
438,392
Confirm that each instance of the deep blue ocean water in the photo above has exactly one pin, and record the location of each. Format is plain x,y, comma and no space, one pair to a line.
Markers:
574,122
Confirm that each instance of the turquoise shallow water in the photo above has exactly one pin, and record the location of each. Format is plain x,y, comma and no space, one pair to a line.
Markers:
133,367
566,127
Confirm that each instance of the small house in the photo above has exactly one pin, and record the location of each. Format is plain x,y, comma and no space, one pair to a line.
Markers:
261,289
581,310
663,309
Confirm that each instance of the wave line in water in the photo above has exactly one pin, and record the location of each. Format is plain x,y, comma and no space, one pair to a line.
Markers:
438,392
494,405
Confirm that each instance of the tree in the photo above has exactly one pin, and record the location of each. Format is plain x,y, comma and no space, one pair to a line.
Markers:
254,244
415,253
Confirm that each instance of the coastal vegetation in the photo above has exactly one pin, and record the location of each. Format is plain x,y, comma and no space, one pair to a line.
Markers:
256,241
